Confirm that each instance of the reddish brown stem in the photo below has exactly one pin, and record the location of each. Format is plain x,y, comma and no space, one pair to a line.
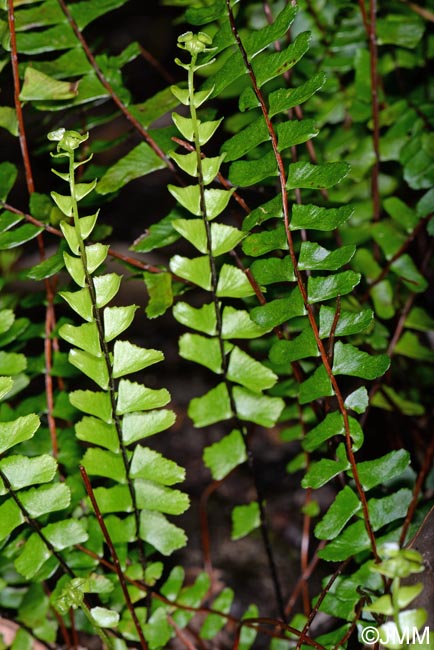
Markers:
60,622
17,101
333,330
204,528
49,314
73,629
357,613
124,110
302,288
302,639
422,11
302,579
283,627
117,565
150,58
252,623
183,638
304,550
371,32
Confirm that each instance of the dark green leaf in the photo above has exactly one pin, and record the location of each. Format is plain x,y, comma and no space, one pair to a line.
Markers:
8,120
18,236
256,41
154,107
279,310
306,175
138,162
315,218
8,175
159,234
401,213
249,172
282,100
410,346
353,540
348,322
269,210
389,400
202,15
232,69
397,29
322,472
389,508
316,386
324,288
333,425
301,347
349,360
272,270
295,132
266,66
263,242
315,257
407,271
159,286
419,319
380,470
47,268
246,140
345,505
